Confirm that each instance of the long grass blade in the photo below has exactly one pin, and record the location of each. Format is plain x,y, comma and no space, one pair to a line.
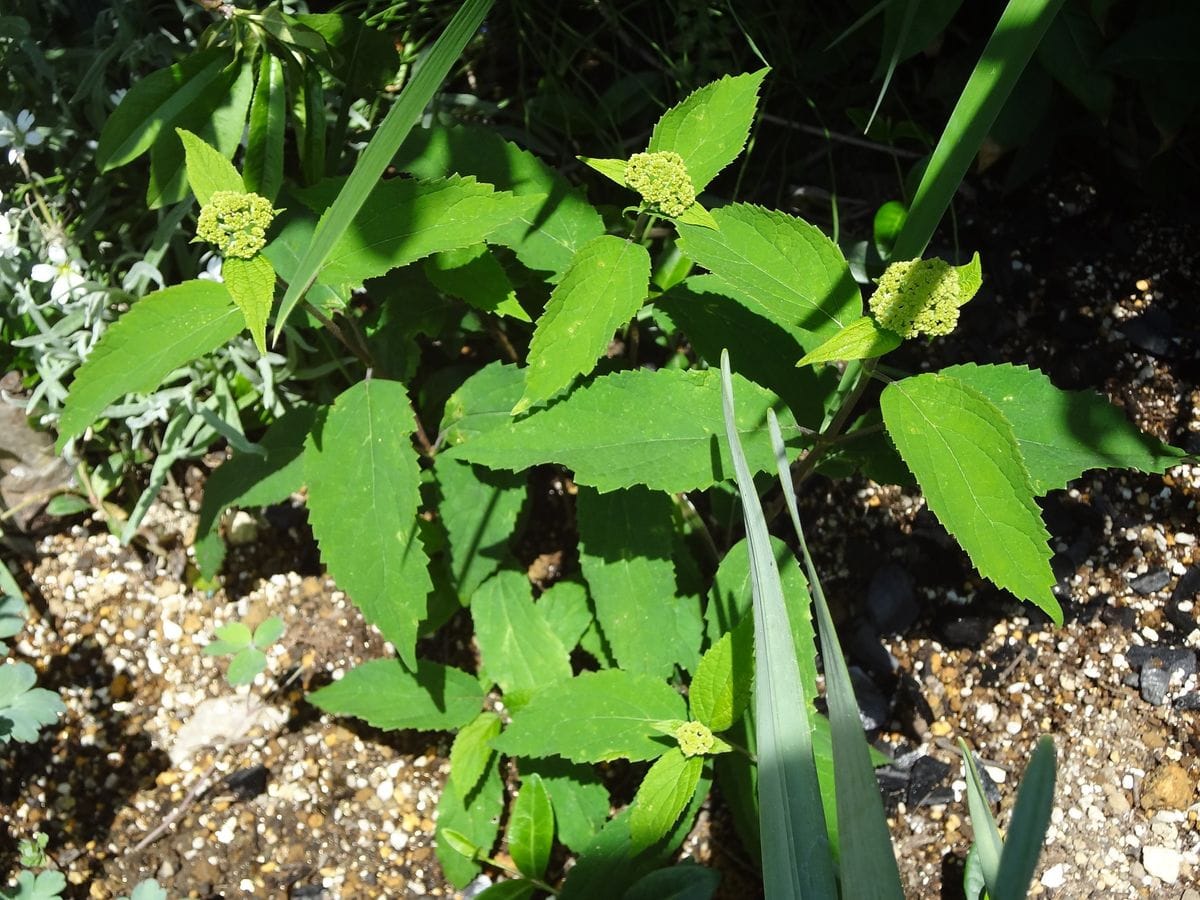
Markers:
1016,37
868,863
795,849
382,147
987,846
1027,830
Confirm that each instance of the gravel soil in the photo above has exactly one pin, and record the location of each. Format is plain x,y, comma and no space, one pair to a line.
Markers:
160,769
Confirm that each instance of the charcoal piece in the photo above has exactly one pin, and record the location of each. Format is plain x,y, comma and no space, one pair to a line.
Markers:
891,602
248,783
1154,580
926,782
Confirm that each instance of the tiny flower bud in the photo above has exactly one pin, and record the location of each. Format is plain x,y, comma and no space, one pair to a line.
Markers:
695,739
918,296
663,181
236,223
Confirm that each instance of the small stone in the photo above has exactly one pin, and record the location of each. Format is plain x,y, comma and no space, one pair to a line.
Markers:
1167,787
1154,580
940,728
1155,683
1055,876
1162,862
925,783
243,529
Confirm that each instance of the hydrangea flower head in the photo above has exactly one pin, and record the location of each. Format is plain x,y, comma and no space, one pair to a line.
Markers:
663,181
236,223
695,738
918,296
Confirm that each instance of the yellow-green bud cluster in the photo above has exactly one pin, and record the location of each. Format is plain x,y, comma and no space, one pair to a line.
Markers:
695,739
918,296
663,181
235,222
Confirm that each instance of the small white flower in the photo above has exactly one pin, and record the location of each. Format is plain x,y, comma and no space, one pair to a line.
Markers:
8,238
18,135
212,270
61,270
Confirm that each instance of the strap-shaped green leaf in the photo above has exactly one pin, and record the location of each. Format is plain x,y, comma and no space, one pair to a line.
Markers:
579,798
360,466
519,650
604,286
1063,434
594,717
531,828
561,223
382,147
1027,829
159,333
709,128
654,428
154,104
792,273
633,589
963,452
383,693
251,283
664,792
263,165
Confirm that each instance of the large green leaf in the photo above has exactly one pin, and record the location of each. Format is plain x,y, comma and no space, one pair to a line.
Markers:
579,797
965,456
685,881
664,792
482,403
159,333
479,510
383,693
252,479
475,816
565,606
475,275
625,546
519,650
208,170
709,128
654,428
403,221
361,467
472,751
604,286
263,165
382,147
862,339
531,827
251,283
154,104
562,222
1070,50
790,270
720,691
1063,434
292,233
594,717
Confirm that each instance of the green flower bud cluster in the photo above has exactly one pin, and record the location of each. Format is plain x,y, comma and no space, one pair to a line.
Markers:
695,739
918,296
235,222
663,181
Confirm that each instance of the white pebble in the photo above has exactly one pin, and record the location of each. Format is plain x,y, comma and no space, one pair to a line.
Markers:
385,790
1055,876
1162,862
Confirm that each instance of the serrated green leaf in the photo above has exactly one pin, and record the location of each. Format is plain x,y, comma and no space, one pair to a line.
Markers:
245,666
159,333
368,57
67,505
403,221
474,275
218,116
563,221
472,751
383,693
519,650
862,339
721,689
686,881
664,792
293,233
251,283
208,170
25,709
268,632
476,817
612,169
247,479
604,286
479,510
658,429
235,634
153,104
710,127
531,828
47,885
594,717
513,889
696,215
580,799
966,458
482,403
792,273
625,549
1063,434
360,466
262,169
12,610
565,607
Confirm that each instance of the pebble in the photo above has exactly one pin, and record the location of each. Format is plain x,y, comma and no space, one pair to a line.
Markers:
1055,876
1162,862
1154,580
1167,787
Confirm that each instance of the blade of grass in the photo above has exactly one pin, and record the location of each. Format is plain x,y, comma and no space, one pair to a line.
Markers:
382,147
1016,37
868,862
988,845
1027,830
795,848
